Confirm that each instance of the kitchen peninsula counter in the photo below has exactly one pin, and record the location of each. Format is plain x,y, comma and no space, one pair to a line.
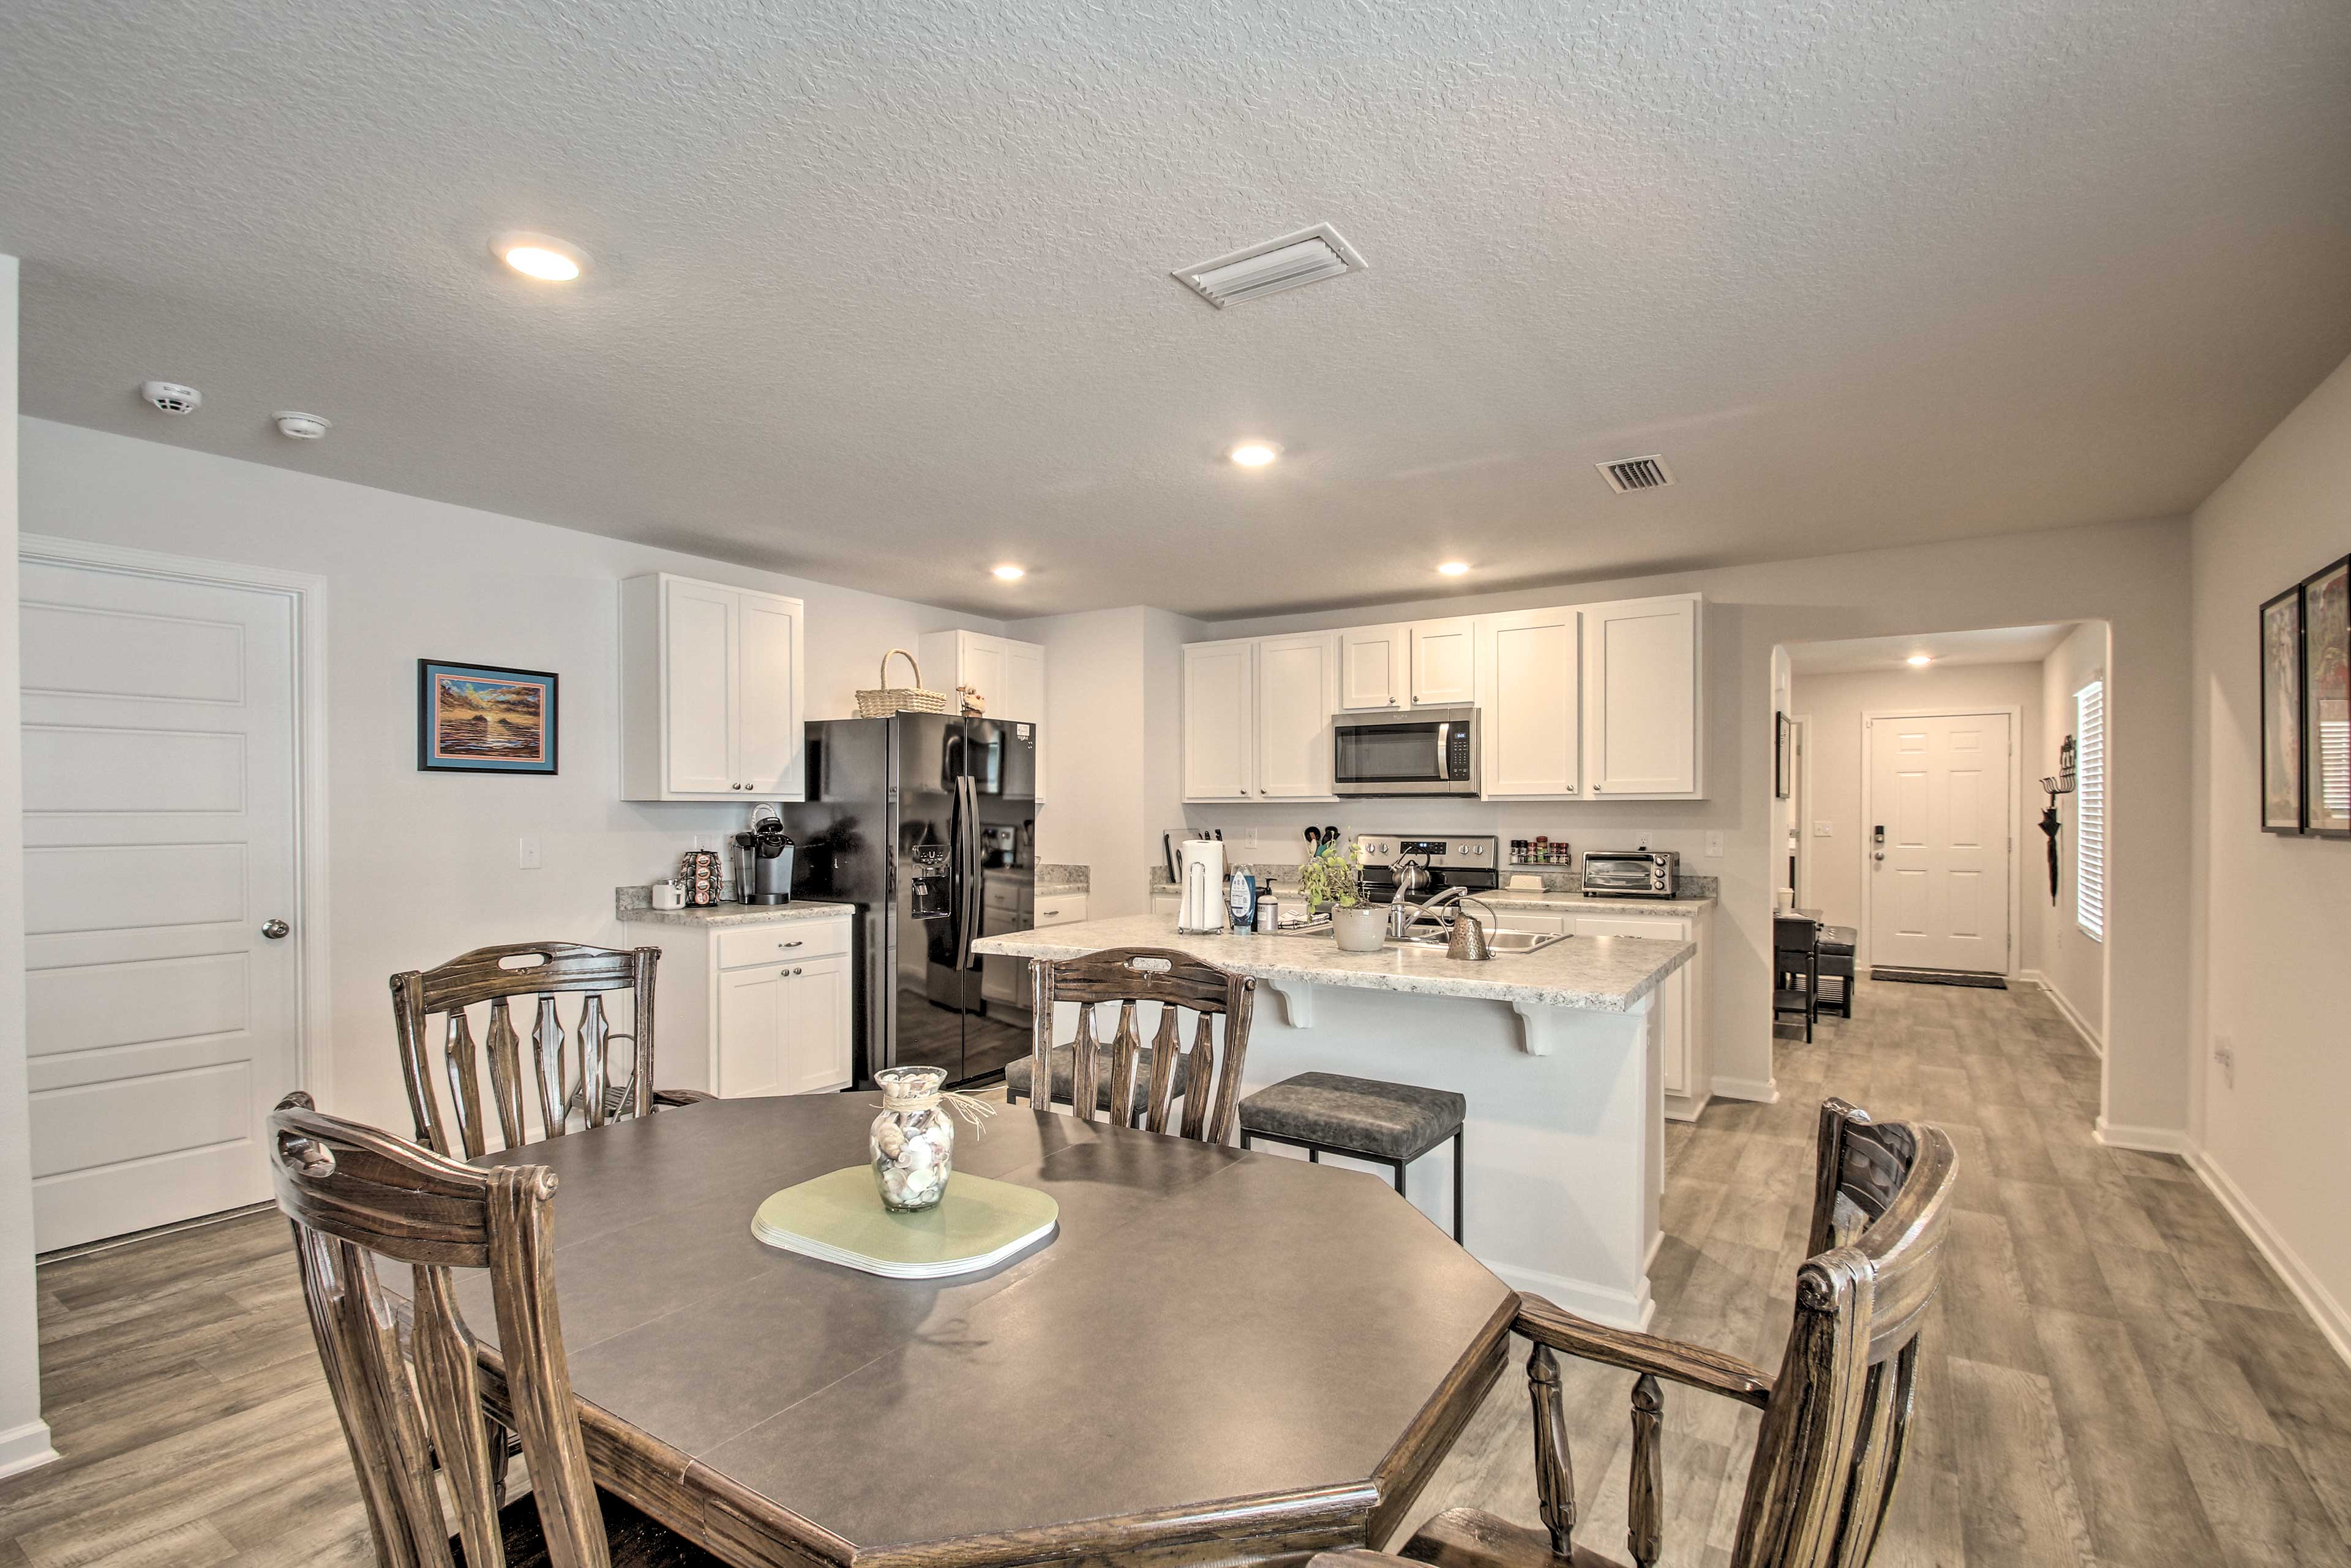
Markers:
1556,1051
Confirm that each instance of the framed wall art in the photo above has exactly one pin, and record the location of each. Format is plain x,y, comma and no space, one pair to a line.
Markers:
481,719
2282,733
2326,701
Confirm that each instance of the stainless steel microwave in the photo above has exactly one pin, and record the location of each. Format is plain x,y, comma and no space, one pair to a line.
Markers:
1418,751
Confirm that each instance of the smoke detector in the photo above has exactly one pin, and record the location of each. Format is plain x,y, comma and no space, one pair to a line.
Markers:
170,397
1627,474
301,426
1309,255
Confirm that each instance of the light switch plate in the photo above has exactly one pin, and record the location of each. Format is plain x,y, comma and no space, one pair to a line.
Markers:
1820,830
527,853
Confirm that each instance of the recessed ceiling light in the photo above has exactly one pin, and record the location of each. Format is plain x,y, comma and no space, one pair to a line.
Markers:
1254,454
1920,661
1010,573
1453,569
543,256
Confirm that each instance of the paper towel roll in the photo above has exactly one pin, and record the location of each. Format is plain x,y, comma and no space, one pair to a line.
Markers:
1203,869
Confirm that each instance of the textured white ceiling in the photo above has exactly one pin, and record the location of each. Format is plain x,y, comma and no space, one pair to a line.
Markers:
881,291
1999,645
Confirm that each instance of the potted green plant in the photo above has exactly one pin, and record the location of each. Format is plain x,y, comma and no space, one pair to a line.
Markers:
1332,879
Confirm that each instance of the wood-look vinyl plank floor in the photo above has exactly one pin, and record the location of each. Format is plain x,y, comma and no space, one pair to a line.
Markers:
2112,1377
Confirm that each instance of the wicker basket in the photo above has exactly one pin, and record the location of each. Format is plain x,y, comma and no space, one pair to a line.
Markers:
882,701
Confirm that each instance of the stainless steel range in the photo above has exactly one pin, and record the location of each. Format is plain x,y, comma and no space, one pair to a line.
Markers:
1470,862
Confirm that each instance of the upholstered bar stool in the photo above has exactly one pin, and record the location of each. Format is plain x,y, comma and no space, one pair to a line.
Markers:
1363,1118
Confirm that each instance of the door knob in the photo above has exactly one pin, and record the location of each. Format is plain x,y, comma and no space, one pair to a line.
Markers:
1878,855
274,929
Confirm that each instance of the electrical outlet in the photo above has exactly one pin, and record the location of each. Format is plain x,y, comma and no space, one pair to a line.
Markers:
1714,846
1820,831
526,855
1251,839
2225,1057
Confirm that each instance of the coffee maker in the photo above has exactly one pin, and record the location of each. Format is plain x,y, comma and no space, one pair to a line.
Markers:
763,863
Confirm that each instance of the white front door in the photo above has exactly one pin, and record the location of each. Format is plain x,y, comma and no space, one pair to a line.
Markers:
159,843
1939,842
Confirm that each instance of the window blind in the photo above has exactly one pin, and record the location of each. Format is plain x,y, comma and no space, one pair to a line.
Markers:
2090,809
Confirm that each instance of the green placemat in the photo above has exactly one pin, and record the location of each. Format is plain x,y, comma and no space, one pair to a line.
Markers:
838,1218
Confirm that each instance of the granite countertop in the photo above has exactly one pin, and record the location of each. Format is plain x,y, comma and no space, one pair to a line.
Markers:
1596,974
643,912
1561,903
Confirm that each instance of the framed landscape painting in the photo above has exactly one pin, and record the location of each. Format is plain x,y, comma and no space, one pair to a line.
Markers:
478,719
2281,712
2326,701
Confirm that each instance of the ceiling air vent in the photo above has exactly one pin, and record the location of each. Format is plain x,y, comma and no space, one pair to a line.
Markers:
1309,255
1636,474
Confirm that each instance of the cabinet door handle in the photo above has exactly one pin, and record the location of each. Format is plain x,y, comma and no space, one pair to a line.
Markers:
795,971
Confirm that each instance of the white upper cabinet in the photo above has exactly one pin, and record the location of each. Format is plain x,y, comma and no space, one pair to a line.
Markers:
1376,668
1644,703
711,691
1296,688
1574,703
1531,704
1011,675
1219,681
1445,662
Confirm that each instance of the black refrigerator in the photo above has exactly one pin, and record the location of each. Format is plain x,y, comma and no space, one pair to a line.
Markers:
927,824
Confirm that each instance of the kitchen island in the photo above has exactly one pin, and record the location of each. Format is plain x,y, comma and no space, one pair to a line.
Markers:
1556,1051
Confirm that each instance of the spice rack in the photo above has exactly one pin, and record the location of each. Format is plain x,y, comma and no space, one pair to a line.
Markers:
1554,854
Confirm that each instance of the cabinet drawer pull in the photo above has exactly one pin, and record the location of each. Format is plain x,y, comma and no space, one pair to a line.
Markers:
791,944
1052,912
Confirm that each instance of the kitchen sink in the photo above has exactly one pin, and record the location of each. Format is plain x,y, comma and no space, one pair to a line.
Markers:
1507,941
1499,940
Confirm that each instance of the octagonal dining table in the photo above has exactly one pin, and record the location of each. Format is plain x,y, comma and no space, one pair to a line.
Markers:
1220,1357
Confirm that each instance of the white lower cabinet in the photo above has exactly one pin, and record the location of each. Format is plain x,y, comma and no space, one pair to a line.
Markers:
1686,1065
1006,980
753,1009
1167,904
1685,1058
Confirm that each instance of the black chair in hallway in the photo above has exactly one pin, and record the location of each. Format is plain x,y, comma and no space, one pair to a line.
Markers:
1796,956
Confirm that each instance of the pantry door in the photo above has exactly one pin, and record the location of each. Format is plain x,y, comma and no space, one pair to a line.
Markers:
1939,841
162,959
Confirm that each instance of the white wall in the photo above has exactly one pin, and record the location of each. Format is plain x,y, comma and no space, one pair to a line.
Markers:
24,1438
421,866
2133,575
2072,962
1835,704
1095,818
2273,911
1117,774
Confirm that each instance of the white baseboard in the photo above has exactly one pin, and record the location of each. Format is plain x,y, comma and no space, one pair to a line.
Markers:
2090,1036
1617,1309
25,1447
2315,1298
1762,1093
2147,1140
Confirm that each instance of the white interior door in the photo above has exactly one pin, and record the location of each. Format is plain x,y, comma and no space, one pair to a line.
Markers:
159,843
1938,880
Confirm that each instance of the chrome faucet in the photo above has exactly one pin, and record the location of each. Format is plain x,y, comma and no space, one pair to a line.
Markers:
1402,914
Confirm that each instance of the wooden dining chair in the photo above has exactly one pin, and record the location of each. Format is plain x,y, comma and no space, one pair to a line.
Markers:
412,1394
1144,1081
1835,1420
543,970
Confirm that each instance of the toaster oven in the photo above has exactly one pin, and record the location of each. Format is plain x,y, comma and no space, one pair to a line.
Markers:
1630,873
